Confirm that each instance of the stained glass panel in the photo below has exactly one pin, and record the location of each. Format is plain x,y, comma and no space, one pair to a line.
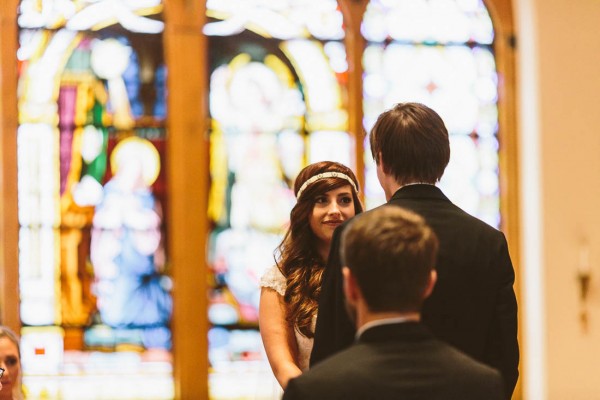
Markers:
276,101
446,62
94,283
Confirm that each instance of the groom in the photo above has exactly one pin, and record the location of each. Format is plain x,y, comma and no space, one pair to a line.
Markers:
388,256
473,306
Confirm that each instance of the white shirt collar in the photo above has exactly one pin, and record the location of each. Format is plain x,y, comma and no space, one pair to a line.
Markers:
416,183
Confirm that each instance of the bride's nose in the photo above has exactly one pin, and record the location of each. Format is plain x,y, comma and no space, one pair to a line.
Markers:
334,209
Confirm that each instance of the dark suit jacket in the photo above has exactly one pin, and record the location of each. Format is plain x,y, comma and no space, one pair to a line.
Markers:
401,361
473,305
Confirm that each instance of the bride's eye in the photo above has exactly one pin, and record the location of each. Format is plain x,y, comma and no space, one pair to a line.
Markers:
346,200
320,199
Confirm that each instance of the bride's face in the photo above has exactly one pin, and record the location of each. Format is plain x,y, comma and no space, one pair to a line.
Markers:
331,210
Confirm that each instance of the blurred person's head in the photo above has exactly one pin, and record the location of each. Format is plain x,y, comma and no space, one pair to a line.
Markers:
388,256
10,360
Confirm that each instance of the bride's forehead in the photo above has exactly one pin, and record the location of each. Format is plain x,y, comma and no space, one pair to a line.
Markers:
340,191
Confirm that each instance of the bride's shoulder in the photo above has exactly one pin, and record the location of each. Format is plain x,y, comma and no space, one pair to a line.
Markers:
274,279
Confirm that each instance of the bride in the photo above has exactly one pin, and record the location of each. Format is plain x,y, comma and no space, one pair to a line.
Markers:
327,195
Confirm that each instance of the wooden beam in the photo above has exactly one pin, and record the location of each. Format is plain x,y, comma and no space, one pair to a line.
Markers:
187,172
353,11
9,224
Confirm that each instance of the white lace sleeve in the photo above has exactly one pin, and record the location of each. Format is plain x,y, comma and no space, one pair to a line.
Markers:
274,279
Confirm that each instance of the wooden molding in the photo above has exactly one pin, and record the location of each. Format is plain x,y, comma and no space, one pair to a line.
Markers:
9,225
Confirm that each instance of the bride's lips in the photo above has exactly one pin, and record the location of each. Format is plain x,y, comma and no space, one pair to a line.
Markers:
333,223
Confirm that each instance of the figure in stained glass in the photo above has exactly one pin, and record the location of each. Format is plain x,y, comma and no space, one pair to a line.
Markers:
126,247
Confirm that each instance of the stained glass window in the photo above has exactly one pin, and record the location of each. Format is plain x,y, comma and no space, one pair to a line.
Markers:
93,273
277,92
91,144
438,52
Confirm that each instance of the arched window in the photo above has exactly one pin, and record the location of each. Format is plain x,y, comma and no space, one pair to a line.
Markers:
94,286
277,102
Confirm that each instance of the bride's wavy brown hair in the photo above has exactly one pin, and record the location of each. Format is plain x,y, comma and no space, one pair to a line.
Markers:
299,260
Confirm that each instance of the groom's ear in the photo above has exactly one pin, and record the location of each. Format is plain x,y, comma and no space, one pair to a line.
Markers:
380,163
351,289
430,283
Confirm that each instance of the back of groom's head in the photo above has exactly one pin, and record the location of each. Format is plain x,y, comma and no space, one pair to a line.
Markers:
391,252
411,141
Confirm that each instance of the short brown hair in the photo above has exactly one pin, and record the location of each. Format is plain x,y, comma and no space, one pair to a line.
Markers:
391,252
413,143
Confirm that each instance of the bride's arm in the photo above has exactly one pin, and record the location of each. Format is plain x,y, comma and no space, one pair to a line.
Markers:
277,336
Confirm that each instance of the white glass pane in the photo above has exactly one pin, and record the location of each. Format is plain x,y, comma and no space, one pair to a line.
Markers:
38,275
37,177
431,21
281,19
329,146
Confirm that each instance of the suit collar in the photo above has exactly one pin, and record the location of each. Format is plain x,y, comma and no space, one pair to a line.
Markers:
410,330
419,191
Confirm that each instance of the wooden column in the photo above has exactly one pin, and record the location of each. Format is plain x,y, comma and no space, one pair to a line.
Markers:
353,11
9,224
187,172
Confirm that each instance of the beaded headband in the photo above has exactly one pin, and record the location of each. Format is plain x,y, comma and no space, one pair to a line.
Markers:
323,176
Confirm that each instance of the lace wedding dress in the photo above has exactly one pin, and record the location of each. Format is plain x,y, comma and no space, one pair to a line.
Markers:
274,279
